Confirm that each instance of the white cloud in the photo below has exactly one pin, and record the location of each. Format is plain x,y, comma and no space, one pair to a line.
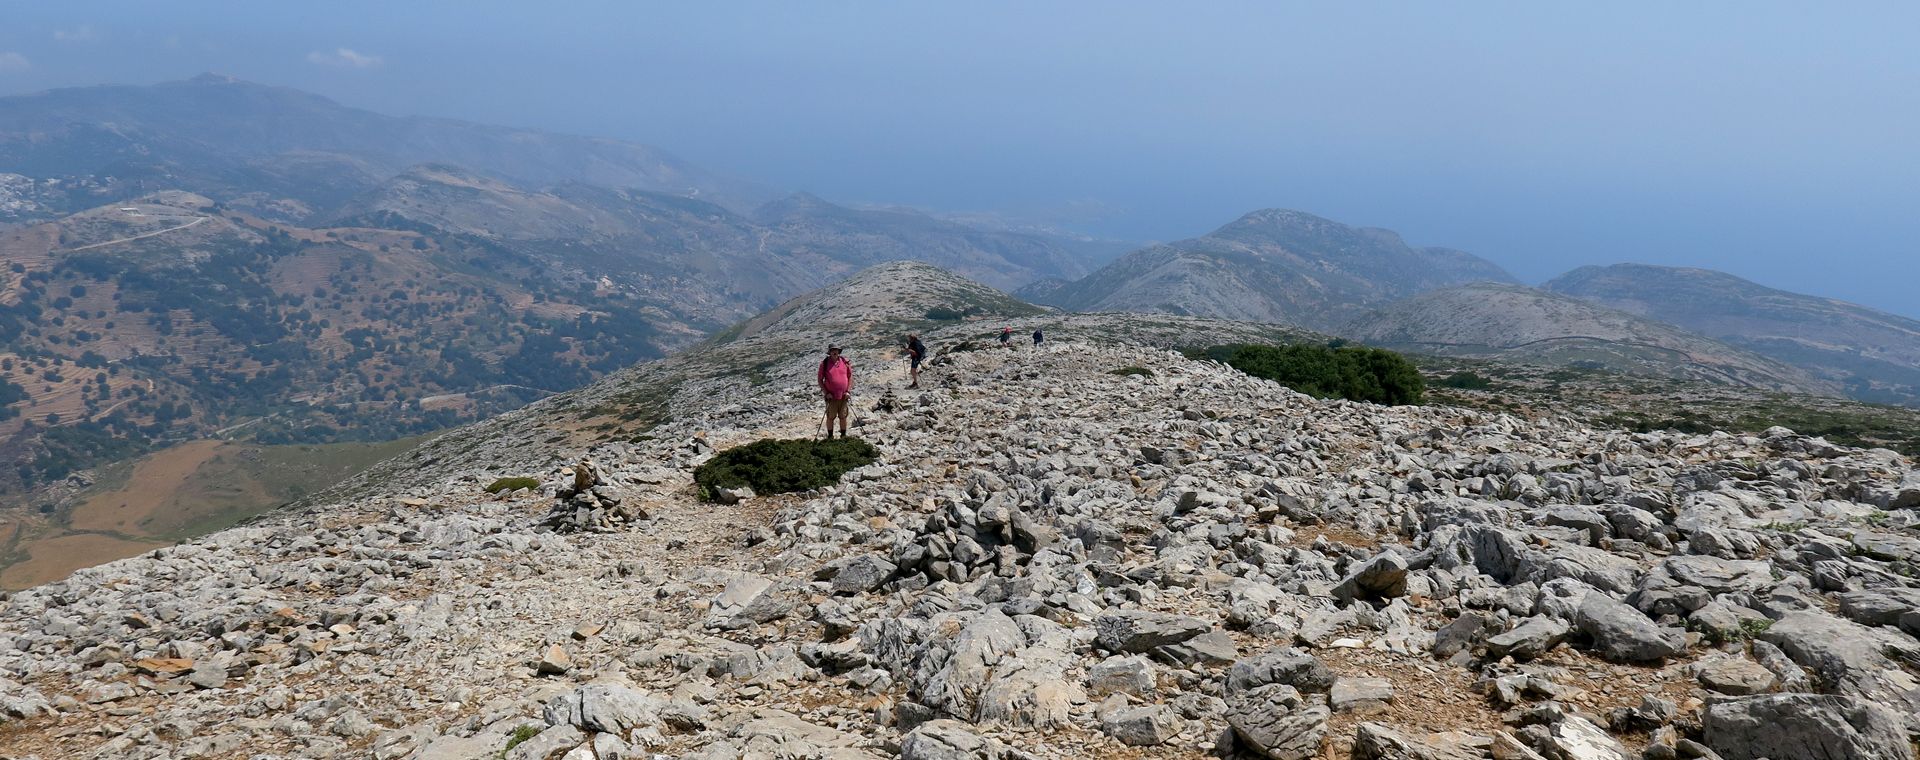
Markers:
81,33
345,58
12,61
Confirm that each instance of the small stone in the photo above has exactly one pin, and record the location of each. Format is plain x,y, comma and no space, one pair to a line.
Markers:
1734,675
1135,631
555,662
163,666
1120,675
1364,696
1144,726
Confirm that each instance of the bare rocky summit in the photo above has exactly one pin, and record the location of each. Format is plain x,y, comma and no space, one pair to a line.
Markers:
1050,559
1274,265
1522,324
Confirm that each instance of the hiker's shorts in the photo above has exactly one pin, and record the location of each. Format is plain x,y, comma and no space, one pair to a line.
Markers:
836,407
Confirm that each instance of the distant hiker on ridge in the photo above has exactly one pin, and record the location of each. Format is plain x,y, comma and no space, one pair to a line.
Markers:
1006,337
836,384
1037,337
916,352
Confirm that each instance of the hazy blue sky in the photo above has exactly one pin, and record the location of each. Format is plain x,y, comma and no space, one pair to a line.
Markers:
1775,141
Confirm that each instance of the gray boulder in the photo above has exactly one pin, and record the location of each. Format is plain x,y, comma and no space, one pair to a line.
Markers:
1463,633
1622,634
857,574
1277,722
606,708
946,740
1143,726
1881,606
1382,577
1576,738
1282,665
1848,658
748,601
1805,727
1734,675
1372,741
1530,639
1136,631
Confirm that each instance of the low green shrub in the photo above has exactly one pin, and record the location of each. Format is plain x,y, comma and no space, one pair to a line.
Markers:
948,314
519,737
783,465
511,484
1356,373
1125,371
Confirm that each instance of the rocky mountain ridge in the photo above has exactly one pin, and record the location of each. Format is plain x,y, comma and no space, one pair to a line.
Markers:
1873,354
1274,265
1522,324
1052,558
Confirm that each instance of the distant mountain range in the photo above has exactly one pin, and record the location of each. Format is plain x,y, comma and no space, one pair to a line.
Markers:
220,257
1294,268
221,136
1518,323
1272,265
214,255
1873,354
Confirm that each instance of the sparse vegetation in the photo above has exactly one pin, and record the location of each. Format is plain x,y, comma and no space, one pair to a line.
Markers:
945,314
1125,371
783,465
1354,373
1466,381
1749,629
520,736
512,484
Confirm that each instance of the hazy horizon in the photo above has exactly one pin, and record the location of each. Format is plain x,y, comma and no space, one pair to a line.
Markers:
1768,141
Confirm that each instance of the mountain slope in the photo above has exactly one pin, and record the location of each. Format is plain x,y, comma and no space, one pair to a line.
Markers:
218,132
862,237
172,316
1517,323
786,247
1038,534
869,313
1275,266
1873,354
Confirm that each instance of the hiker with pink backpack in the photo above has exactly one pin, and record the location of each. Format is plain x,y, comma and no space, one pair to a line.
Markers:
836,385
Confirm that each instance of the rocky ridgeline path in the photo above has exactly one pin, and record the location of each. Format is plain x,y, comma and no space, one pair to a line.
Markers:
1050,560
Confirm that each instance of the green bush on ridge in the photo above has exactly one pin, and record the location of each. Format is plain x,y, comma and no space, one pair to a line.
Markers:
511,484
783,465
1356,373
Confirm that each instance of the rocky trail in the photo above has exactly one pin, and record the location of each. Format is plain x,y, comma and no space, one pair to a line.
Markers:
1051,559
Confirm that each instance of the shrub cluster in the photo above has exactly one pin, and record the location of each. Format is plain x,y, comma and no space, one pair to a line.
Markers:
950,314
1125,371
1350,372
783,465
511,484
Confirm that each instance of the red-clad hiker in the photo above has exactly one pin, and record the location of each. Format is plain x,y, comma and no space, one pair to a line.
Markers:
1006,337
836,384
